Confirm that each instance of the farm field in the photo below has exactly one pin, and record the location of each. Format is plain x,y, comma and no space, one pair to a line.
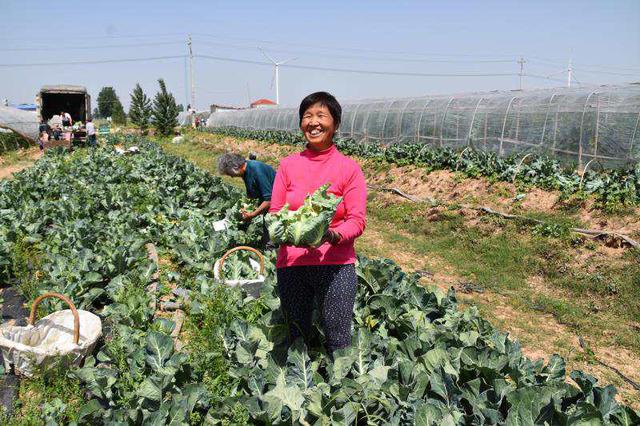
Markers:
281,213
180,348
538,283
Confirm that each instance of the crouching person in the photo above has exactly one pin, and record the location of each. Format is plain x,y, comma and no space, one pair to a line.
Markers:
258,179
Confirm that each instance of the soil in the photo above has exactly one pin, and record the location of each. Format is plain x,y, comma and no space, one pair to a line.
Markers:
28,157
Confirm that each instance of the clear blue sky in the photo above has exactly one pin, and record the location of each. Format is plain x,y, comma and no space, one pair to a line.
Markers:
602,38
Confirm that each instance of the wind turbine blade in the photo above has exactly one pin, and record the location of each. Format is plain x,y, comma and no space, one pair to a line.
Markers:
273,77
288,60
266,55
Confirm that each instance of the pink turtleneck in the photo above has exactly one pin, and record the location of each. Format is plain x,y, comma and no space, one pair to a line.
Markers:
301,174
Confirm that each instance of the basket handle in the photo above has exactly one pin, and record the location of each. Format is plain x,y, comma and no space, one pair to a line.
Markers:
76,318
247,248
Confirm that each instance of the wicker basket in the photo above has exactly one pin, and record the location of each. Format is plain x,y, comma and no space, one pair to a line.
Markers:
252,287
65,336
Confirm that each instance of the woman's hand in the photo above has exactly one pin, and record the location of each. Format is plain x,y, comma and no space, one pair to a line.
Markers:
331,237
247,216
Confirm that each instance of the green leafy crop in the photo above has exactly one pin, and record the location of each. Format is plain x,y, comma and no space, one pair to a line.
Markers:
613,189
416,358
306,225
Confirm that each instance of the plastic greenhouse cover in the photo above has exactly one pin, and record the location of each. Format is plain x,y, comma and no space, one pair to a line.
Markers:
24,123
576,125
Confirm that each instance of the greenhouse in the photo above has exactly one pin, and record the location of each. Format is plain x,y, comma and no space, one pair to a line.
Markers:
25,123
576,125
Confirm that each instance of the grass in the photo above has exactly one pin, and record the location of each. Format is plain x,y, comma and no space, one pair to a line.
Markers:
51,396
597,298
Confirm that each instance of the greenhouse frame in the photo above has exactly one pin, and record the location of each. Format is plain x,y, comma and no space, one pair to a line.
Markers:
577,125
25,123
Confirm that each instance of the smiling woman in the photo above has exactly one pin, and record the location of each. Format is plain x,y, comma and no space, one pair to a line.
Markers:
325,273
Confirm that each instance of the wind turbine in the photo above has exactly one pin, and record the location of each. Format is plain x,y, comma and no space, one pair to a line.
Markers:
276,75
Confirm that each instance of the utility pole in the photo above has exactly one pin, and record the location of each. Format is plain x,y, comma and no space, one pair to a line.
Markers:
248,94
569,73
193,89
521,61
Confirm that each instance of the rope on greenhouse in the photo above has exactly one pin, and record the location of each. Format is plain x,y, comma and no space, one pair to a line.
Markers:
596,233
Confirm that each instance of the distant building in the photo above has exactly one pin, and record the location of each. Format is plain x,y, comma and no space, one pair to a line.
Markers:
263,103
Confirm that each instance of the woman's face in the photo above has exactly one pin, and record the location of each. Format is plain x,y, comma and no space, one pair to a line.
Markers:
318,127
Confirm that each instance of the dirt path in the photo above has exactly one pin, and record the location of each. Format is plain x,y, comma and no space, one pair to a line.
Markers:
17,161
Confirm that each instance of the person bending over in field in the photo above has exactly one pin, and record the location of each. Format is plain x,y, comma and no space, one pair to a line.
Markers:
324,274
258,179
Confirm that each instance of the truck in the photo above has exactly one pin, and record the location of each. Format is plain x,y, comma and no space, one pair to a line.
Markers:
52,100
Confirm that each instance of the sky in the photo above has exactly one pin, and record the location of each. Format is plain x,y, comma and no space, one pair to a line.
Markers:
406,48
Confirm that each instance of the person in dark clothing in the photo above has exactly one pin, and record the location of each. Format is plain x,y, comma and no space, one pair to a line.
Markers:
258,179
44,127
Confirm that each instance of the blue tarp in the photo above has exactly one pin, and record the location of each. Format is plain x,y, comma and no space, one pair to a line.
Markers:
26,107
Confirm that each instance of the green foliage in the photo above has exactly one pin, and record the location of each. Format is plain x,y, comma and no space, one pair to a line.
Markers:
11,141
109,105
613,189
306,225
140,111
52,396
415,358
165,111
24,266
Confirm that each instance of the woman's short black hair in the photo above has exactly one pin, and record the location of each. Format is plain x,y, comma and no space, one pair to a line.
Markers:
323,98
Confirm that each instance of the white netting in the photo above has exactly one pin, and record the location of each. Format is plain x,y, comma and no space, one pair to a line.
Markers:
24,123
571,124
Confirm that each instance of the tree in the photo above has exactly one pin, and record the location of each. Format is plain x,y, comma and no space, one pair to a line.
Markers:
165,110
119,116
109,105
140,111
180,107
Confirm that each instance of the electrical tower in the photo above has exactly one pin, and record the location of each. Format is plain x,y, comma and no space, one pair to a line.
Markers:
521,61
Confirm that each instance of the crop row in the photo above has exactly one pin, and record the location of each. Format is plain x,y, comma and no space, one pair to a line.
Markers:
78,224
612,189
10,141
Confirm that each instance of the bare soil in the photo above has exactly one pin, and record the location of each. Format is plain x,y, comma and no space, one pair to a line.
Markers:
25,158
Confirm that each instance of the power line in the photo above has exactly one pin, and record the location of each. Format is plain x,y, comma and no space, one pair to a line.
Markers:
242,61
364,57
47,39
400,73
361,71
357,50
30,49
105,61
584,66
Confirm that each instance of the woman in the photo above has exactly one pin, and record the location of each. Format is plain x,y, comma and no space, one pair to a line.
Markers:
258,180
326,273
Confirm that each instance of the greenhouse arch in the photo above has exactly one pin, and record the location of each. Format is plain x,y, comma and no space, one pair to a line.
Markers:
576,125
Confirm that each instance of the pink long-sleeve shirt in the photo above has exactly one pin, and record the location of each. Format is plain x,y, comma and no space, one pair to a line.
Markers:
301,174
